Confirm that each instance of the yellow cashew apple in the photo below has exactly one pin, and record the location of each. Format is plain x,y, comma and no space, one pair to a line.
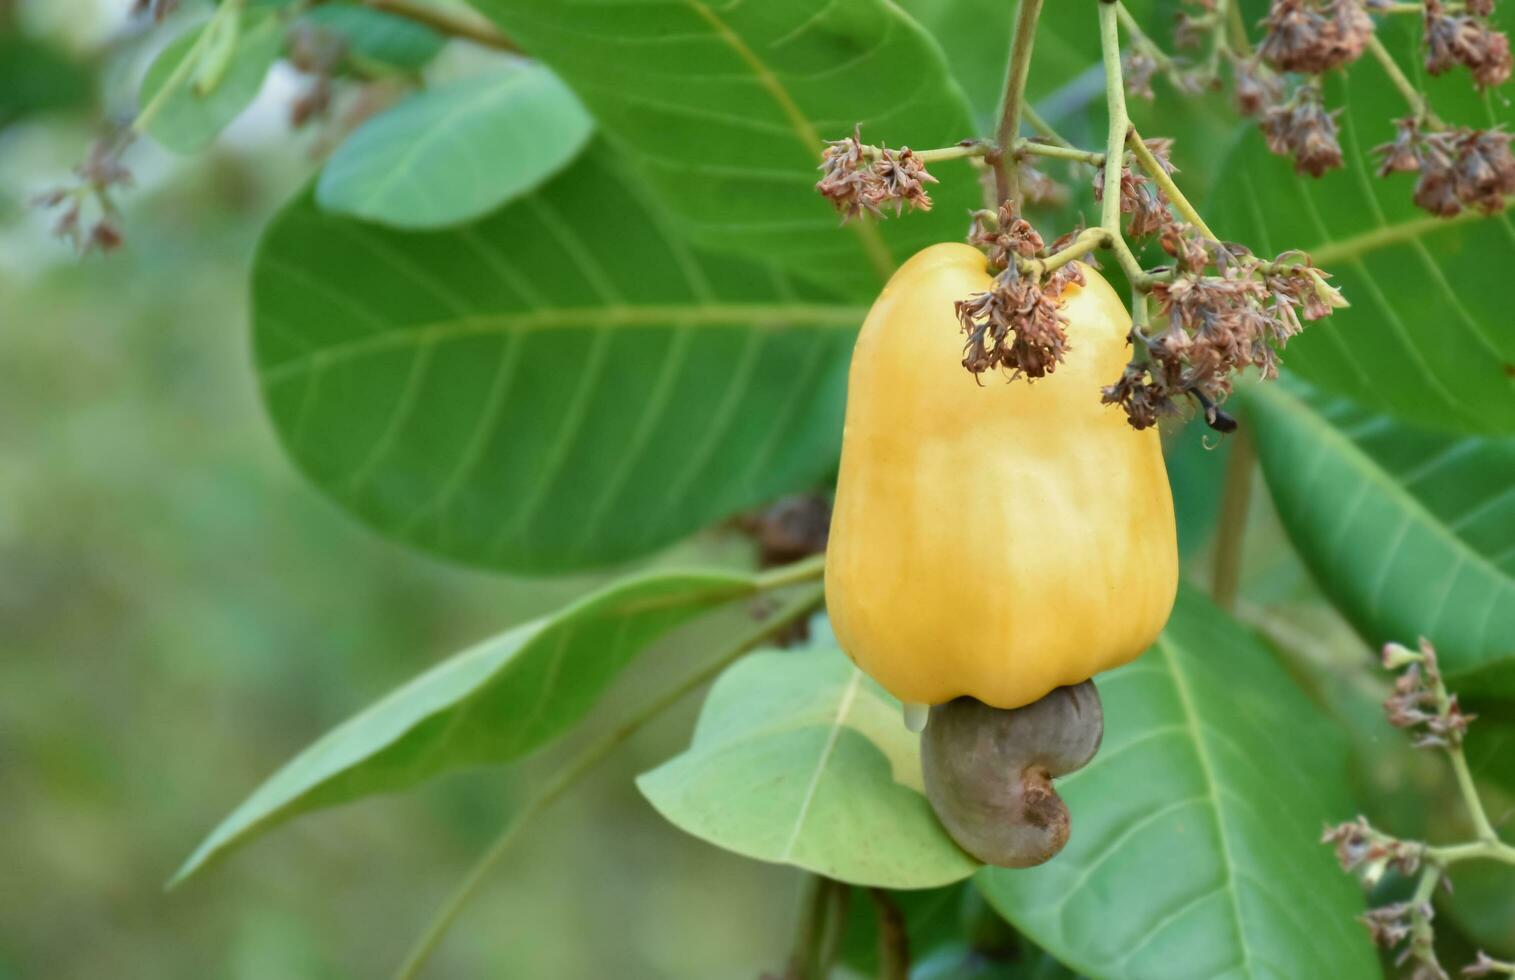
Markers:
996,540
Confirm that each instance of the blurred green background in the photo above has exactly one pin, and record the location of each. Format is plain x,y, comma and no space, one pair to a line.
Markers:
179,614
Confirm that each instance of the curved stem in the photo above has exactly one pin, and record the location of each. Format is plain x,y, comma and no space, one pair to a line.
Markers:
1418,104
566,777
1015,97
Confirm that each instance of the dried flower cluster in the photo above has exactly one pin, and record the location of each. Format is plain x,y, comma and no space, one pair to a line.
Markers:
1420,701
1457,167
1315,36
1417,703
1016,325
1362,850
89,218
1466,39
1217,325
1305,130
856,183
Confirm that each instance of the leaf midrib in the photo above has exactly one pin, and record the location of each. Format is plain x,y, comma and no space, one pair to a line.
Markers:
753,316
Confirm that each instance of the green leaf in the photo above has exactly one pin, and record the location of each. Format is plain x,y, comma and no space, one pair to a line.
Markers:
487,705
186,120
1195,848
456,152
723,108
798,758
562,385
1428,337
1411,533
377,37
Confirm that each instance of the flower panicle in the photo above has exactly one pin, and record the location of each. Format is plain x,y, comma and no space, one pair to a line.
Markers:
859,181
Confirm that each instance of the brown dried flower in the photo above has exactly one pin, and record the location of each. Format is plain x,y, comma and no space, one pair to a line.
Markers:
1458,167
1139,198
855,183
1315,36
1138,70
1466,39
99,176
1302,128
1257,87
1016,325
1420,699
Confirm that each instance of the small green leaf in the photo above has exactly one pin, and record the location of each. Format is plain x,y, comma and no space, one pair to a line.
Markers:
1411,533
798,758
1195,849
453,153
562,385
187,120
373,36
487,705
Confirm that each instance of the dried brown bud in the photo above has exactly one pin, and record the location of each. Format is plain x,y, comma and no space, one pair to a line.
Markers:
1015,326
1315,36
1138,70
855,183
1143,201
1465,39
1257,88
1304,129
1458,167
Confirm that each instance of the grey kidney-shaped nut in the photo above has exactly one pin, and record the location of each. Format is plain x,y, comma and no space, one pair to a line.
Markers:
989,771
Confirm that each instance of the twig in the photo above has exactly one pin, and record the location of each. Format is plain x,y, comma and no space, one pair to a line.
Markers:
1119,122
456,22
1006,174
569,774
1231,531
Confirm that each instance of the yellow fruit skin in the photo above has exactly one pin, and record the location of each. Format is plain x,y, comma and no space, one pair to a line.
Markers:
995,540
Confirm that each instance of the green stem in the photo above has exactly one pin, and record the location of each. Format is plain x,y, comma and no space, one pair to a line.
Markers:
1058,152
809,928
1164,180
1142,40
1419,107
1231,531
184,68
1240,43
1043,127
1472,851
1481,825
805,570
1087,241
1015,97
565,778
1119,122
